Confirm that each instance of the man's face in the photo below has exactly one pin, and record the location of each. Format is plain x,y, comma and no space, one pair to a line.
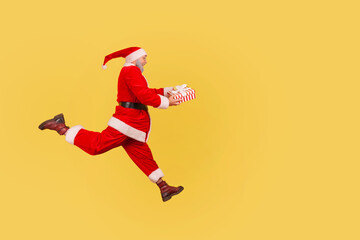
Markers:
143,60
140,62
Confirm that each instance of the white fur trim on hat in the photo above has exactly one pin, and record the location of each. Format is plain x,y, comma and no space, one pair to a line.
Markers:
164,102
135,55
71,133
104,67
156,175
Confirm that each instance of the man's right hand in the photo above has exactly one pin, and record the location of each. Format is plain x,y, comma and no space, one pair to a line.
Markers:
173,102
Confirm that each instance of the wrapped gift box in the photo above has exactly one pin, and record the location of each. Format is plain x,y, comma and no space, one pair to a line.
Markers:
183,93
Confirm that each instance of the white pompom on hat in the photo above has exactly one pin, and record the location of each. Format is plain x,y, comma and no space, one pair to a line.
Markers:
130,54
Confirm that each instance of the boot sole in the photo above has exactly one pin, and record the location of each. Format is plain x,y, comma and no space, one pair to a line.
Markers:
169,197
41,126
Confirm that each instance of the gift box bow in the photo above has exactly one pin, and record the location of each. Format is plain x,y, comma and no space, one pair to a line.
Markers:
182,89
183,92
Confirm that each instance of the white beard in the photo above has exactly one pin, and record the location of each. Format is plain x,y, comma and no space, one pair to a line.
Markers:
138,64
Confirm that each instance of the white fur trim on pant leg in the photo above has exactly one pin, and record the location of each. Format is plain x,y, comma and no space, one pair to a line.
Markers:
164,102
166,90
71,133
156,175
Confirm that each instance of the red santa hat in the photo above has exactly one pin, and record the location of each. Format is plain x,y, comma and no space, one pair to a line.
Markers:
130,54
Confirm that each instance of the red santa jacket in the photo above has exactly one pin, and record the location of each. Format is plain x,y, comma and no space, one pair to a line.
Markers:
133,87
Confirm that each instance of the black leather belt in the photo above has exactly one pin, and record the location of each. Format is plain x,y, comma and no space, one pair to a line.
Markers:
132,105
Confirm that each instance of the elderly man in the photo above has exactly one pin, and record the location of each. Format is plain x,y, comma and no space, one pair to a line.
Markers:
129,126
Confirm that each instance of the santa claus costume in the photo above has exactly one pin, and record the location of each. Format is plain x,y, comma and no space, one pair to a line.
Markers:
129,126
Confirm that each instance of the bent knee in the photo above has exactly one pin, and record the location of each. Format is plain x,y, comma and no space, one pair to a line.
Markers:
94,151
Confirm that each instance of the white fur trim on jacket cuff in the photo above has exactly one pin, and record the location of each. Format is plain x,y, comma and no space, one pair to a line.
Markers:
166,90
164,102
71,133
156,175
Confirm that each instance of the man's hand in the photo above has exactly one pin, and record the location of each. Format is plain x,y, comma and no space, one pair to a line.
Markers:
173,102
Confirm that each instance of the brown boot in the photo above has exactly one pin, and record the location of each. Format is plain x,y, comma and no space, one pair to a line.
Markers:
57,123
168,191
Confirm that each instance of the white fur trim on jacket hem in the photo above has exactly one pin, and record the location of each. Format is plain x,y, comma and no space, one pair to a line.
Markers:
135,55
127,129
166,90
148,134
164,102
71,133
156,175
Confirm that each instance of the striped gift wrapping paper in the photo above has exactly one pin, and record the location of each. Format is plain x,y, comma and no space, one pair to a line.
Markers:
183,94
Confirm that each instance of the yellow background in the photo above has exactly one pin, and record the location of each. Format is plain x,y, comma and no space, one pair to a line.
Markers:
268,150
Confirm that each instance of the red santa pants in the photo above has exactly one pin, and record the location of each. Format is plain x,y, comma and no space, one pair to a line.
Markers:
96,143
